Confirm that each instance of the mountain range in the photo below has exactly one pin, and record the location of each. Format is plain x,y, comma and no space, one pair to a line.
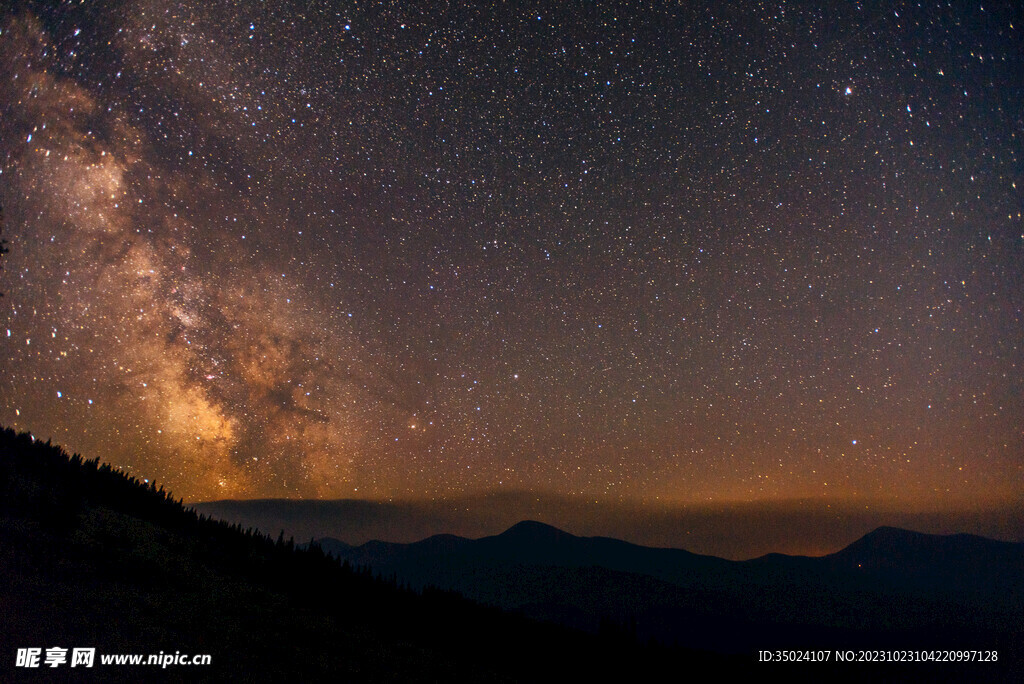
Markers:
892,588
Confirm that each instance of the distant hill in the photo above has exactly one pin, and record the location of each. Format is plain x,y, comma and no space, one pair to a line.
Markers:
891,589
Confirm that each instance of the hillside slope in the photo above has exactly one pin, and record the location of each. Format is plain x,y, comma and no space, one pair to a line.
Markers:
92,558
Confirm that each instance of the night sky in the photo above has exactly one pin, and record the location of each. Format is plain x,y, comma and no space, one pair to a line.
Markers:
706,253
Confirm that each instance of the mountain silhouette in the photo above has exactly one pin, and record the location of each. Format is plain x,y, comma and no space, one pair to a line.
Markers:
535,543
892,588
958,564
92,557
890,547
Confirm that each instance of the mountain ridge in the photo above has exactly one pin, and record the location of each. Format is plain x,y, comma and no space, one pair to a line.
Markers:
879,541
888,587
731,530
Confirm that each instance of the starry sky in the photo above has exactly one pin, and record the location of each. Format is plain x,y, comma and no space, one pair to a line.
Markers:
693,252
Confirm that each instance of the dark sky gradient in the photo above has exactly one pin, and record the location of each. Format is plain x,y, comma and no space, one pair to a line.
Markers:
714,253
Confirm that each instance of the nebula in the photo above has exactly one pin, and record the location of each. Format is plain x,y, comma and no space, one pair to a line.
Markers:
696,254
172,350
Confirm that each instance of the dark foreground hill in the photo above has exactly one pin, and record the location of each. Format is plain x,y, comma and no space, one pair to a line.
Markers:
92,558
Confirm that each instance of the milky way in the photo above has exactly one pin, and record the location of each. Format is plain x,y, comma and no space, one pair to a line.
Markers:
382,250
